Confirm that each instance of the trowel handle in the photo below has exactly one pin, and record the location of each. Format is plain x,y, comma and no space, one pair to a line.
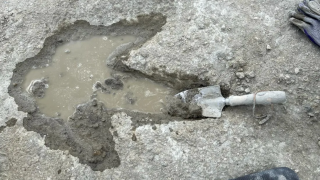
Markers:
264,98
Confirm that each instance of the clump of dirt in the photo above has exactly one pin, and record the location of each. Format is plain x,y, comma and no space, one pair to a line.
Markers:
37,88
90,126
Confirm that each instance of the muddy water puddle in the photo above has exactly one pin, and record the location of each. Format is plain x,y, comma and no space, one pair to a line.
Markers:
78,72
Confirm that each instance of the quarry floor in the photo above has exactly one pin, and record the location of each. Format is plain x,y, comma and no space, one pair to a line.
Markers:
244,46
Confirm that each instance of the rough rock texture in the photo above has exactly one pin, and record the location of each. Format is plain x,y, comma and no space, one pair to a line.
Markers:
209,41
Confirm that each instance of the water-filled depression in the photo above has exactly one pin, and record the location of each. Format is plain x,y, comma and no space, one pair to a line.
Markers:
79,72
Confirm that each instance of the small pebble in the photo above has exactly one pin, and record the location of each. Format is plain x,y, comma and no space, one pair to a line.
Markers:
305,78
239,89
247,90
281,76
223,27
240,75
264,120
67,51
297,70
310,114
229,58
250,74
94,102
286,77
268,47
319,143
242,62
134,138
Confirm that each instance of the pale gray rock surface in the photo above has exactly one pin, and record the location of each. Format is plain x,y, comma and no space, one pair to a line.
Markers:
211,40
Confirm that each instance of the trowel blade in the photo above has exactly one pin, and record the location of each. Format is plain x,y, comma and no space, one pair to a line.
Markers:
205,102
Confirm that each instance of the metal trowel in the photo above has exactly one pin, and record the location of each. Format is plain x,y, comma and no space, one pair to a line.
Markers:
208,101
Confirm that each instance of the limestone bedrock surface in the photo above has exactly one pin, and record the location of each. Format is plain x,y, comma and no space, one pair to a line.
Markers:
206,40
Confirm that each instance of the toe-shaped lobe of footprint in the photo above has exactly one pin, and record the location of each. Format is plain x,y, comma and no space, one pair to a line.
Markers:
307,18
115,84
86,135
99,86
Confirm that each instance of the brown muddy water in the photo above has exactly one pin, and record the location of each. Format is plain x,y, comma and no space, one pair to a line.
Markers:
78,66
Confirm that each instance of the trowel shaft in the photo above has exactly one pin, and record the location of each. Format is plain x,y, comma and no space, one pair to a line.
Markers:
264,98
208,101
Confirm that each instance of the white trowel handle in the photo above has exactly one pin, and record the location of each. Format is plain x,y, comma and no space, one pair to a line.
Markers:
265,97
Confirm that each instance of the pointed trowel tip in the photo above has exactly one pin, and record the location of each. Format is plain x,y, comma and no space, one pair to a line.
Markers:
198,102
